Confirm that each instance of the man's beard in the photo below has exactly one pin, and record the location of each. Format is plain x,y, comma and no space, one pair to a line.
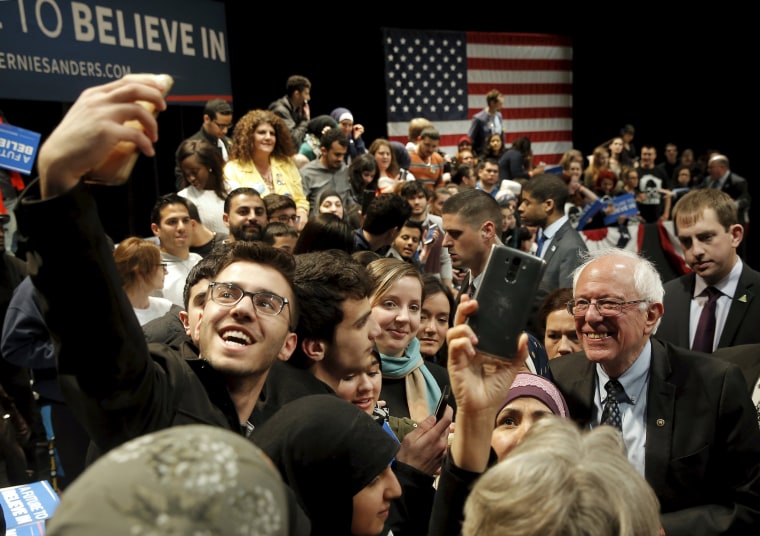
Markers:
248,232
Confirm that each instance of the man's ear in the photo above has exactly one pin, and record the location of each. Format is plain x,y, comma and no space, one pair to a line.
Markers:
184,317
549,206
314,349
154,228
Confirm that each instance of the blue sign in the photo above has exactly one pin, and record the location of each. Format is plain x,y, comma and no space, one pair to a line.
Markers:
622,205
27,506
18,147
588,213
51,50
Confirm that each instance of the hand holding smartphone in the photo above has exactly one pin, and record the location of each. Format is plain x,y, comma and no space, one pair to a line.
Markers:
117,167
506,290
442,403
430,236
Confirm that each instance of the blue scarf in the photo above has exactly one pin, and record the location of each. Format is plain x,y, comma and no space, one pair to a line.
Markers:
400,367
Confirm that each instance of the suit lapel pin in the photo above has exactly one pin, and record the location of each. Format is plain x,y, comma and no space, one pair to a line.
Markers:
743,298
660,422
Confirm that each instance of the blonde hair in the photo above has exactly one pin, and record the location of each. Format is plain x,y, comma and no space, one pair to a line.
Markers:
563,481
386,272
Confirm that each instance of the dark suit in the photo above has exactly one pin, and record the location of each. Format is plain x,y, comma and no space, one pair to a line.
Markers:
703,443
747,357
480,130
743,316
737,187
563,256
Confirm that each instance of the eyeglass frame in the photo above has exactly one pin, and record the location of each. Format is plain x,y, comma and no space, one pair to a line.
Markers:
283,218
252,295
619,306
223,126
164,265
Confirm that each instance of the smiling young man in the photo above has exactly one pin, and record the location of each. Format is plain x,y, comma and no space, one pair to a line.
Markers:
687,421
118,385
708,229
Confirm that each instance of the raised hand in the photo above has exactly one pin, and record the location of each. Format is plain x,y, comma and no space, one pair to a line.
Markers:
102,118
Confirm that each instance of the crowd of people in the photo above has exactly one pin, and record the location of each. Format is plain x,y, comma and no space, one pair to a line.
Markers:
275,358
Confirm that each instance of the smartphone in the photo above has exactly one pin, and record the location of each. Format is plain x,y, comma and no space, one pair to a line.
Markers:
442,403
504,296
430,236
117,167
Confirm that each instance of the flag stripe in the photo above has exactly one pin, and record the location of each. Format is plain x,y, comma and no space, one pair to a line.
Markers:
529,86
517,64
445,75
519,39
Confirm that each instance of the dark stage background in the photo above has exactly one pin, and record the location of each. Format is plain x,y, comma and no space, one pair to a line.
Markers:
675,78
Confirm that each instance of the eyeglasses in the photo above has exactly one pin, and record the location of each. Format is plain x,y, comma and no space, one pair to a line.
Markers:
265,303
223,126
285,219
164,265
603,307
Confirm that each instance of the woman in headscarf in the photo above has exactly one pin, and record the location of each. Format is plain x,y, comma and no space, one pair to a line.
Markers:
336,458
497,402
353,132
193,479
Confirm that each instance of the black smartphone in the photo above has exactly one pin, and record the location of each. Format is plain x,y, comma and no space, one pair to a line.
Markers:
505,296
442,403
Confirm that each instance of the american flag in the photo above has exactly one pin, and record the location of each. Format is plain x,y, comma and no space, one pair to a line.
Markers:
445,75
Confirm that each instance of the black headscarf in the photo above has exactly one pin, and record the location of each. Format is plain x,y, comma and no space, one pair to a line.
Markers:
327,450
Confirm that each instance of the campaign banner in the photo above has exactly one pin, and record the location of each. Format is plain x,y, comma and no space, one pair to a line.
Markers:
51,50
27,506
18,147
622,205
588,213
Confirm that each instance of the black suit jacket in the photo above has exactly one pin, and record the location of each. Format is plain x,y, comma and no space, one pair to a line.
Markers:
703,443
747,357
743,321
735,186
564,255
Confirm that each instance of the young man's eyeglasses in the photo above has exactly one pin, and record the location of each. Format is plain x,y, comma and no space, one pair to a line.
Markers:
603,307
229,294
285,218
223,126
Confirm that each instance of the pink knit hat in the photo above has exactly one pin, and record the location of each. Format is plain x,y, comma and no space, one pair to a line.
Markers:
538,387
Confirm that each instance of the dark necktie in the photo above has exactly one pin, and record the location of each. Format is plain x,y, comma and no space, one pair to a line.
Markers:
471,290
703,339
611,410
540,239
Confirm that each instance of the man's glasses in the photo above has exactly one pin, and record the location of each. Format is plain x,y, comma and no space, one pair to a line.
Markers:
603,307
229,294
223,126
285,219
